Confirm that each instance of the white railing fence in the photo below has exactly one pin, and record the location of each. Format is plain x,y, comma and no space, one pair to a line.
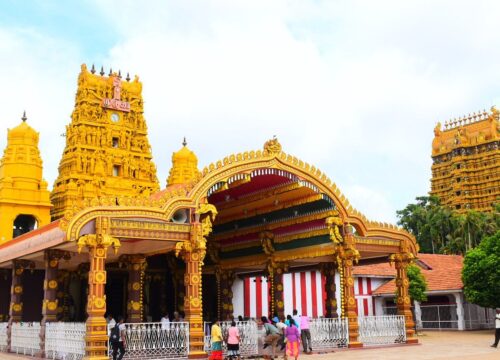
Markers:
329,334
65,340
154,341
248,335
25,338
3,336
380,330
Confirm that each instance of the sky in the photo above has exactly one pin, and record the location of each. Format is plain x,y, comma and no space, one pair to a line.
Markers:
353,87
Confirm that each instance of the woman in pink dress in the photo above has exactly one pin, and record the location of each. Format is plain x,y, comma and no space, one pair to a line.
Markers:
292,335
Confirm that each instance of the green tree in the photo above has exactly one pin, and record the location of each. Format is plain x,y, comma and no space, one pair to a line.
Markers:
438,229
418,284
481,273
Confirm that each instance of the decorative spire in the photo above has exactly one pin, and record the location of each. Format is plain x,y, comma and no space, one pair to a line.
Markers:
120,74
93,69
24,118
102,71
110,71
184,143
128,77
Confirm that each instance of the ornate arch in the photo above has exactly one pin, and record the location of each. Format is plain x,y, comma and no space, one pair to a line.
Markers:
233,168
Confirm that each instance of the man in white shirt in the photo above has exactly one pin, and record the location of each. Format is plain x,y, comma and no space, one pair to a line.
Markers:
296,318
497,328
111,323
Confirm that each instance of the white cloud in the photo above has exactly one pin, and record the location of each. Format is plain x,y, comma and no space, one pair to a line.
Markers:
352,87
39,76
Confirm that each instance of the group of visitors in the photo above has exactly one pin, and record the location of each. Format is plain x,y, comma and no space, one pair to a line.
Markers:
288,333
283,333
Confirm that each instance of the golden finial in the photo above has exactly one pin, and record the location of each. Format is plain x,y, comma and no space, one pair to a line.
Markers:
24,118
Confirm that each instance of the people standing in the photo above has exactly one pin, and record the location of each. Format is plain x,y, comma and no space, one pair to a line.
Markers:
117,339
233,341
497,328
305,333
292,335
165,321
296,318
216,338
111,323
272,335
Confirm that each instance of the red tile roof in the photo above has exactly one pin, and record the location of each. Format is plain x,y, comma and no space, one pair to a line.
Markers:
442,272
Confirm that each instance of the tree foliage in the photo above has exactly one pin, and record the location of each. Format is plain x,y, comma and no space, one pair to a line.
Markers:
418,284
439,229
481,273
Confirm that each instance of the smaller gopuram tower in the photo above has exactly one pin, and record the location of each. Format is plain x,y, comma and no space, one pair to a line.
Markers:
184,166
107,150
466,162
24,198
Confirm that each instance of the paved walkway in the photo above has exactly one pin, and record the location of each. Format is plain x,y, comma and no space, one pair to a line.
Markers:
471,345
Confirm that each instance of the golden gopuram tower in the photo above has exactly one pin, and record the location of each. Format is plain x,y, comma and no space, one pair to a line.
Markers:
24,198
107,150
466,162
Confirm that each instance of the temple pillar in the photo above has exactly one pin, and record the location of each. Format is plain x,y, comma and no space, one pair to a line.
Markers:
225,280
346,256
177,274
96,338
193,299
136,268
193,252
401,261
276,272
50,302
16,292
328,271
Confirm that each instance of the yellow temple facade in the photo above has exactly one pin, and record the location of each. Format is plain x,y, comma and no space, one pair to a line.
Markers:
466,162
107,151
24,198
116,242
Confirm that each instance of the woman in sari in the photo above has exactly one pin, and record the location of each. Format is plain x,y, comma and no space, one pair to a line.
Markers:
216,339
292,335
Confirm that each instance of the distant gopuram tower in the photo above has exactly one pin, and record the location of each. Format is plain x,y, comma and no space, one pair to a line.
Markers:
107,150
466,162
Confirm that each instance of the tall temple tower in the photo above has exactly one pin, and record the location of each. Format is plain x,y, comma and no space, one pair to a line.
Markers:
107,150
24,198
466,162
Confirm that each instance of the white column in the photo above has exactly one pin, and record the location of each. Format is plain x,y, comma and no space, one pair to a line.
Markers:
418,314
460,311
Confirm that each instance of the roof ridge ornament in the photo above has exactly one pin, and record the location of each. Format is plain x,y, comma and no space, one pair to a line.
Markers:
24,118
184,142
272,147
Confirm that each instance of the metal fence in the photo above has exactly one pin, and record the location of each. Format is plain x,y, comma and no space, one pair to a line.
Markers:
380,330
3,336
329,334
65,340
156,341
248,336
439,316
477,317
25,338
